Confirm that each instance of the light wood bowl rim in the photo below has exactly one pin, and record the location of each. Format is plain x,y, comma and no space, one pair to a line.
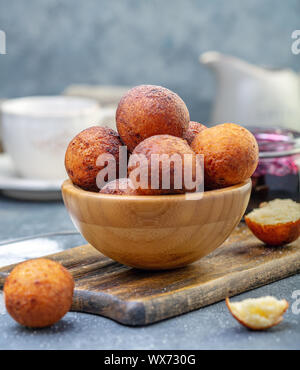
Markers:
74,190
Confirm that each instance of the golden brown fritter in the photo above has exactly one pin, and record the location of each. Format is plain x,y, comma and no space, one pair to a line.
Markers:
276,222
162,145
193,129
38,292
83,151
230,154
119,187
149,110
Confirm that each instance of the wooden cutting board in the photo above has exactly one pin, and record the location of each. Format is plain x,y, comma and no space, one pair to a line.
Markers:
135,297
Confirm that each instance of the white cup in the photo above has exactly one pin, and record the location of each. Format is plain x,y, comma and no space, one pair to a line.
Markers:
37,130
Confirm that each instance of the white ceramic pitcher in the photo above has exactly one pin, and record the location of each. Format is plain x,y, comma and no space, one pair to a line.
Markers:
252,95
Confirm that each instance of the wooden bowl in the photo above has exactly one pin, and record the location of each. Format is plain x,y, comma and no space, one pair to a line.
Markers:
156,232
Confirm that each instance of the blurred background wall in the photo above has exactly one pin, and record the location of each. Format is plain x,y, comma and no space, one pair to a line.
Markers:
54,43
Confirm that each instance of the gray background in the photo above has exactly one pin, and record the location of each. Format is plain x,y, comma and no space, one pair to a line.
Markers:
54,43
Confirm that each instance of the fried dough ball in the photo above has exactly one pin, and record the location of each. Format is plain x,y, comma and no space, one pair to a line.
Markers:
258,313
38,292
122,186
276,222
83,151
230,154
149,175
149,110
193,129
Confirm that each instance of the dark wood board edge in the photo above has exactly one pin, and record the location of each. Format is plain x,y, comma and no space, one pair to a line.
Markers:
131,313
141,313
231,285
3,276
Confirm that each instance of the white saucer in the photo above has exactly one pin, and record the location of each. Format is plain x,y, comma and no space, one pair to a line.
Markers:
27,189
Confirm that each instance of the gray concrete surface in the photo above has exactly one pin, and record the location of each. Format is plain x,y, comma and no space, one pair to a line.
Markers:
211,327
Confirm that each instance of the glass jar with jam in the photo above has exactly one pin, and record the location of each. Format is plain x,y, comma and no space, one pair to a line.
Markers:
278,171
